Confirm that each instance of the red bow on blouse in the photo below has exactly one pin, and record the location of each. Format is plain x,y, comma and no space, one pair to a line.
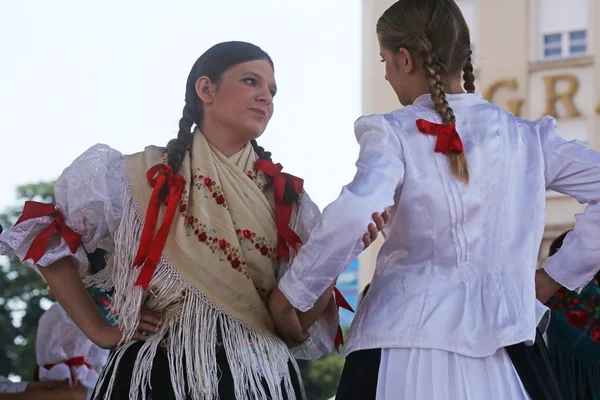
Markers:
340,301
447,136
34,209
151,246
71,362
283,210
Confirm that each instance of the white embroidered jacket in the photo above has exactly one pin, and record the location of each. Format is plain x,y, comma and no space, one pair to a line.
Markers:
456,271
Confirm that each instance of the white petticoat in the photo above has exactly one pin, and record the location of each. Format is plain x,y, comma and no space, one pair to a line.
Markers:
430,374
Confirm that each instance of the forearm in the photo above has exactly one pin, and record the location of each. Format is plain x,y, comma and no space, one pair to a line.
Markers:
308,318
64,281
545,286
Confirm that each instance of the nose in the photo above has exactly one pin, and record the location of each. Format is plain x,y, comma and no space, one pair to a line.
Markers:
386,77
265,96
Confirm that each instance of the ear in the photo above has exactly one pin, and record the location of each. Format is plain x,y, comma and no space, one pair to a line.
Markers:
204,89
406,60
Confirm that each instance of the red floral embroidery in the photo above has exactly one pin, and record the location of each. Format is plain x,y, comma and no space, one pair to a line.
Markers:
259,178
219,246
577,318
595,334
210,188
250,241
581,310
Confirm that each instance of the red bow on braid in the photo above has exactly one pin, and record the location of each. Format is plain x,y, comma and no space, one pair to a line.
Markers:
283,211
340,301
151,246
33,209
71,362
448,138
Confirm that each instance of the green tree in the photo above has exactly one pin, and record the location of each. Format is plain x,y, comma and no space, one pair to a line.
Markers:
22,293
321,377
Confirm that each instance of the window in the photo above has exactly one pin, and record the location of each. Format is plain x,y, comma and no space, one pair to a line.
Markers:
562,28
553,45
577,42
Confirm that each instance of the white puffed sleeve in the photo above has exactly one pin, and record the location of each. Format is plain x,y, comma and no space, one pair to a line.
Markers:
89,195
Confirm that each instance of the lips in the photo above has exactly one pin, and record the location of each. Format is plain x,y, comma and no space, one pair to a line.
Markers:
260,112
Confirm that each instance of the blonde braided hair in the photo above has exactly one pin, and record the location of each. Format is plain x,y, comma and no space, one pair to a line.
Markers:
432,67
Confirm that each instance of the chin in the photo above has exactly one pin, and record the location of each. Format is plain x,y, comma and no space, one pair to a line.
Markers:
253,131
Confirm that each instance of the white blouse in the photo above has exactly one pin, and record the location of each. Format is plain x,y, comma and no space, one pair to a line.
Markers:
91,193
456,271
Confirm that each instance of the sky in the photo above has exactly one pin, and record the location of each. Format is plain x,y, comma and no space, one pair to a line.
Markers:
74,73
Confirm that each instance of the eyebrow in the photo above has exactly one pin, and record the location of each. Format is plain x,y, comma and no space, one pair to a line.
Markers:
254,74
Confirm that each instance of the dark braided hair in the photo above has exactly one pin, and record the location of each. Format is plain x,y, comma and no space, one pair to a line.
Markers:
212,64
436,31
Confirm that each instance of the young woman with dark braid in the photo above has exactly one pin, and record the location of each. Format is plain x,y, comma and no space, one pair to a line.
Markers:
197,234
455,281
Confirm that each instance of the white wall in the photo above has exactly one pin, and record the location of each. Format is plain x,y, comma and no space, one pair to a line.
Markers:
562,15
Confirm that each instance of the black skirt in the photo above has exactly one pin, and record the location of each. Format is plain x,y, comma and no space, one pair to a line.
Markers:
160,379
532,363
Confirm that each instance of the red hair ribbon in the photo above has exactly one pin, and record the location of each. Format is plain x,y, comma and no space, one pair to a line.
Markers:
151,246
340,301
283,210
34,209
447,136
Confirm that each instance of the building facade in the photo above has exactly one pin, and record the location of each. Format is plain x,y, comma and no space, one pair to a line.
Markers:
532,57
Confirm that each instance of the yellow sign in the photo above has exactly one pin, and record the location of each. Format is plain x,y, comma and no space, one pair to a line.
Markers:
553,97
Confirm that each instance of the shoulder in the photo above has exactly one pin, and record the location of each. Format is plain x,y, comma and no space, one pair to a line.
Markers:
544,123
399,120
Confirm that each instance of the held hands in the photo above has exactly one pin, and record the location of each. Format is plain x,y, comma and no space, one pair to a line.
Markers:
110,335
286,317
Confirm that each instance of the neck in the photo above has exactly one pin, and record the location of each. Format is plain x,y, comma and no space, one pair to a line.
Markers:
222,138
451,86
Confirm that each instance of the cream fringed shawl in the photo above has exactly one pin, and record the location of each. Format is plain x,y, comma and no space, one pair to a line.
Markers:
215,271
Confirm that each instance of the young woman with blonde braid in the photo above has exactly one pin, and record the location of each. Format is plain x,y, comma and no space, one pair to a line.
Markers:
455,281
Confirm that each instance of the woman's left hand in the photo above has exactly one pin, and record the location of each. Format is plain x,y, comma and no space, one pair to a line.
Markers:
285,317
374,228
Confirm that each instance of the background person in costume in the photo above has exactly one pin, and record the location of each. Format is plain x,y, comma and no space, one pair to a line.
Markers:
574,337
64,353
199,234
455,281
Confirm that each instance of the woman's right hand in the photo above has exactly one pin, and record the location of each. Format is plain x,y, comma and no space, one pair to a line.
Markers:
110,335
